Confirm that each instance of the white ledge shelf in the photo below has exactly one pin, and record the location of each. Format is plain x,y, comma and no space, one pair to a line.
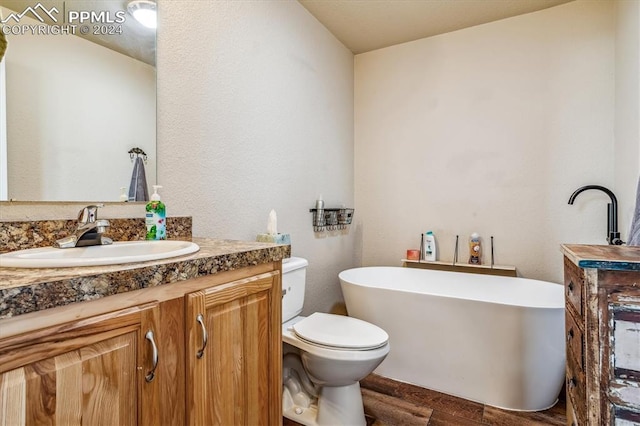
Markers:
506,271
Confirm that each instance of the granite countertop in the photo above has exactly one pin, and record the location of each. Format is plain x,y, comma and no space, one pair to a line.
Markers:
25,290
620,258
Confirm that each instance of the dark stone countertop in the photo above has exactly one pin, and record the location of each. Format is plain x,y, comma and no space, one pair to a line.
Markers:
24,290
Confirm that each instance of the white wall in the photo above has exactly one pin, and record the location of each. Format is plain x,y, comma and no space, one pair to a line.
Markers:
627,124
488,129
74,109
255,111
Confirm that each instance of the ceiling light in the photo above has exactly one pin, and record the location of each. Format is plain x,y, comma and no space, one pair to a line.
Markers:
144,11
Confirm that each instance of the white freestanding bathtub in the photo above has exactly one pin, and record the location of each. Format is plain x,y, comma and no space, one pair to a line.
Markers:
491,339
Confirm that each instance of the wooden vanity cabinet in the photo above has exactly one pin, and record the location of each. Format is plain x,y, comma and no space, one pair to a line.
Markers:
96,369
603,335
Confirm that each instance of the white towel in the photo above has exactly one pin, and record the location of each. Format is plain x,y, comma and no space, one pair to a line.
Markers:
634,233
138,190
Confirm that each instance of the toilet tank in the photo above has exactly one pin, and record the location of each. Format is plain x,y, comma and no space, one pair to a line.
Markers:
294,273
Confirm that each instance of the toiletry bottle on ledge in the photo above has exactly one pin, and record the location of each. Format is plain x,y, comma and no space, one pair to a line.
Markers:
156,217
429,246
475,249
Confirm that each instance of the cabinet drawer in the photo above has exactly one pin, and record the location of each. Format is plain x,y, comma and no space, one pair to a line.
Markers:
575,381
573,285
575,340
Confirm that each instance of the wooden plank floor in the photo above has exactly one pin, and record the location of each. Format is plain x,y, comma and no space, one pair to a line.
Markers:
391,403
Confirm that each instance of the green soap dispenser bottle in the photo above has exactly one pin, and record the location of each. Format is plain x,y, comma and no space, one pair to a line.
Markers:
156,217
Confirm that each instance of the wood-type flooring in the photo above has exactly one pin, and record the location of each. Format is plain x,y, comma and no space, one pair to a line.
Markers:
391,403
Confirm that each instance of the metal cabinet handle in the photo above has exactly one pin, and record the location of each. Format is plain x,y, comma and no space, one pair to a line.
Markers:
570,286
152,374
571,383
200,352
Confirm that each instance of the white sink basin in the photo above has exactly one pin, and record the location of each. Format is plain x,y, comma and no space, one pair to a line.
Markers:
120,252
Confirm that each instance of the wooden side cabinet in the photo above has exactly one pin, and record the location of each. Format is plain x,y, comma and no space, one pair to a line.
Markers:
602,296
205,352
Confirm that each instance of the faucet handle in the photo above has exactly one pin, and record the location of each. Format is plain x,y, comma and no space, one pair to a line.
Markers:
89,214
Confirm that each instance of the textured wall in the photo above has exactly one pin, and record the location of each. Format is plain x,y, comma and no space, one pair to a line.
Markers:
489,129
627,130
255,112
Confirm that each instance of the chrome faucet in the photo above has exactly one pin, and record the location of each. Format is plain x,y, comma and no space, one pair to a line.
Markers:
613,236
88,231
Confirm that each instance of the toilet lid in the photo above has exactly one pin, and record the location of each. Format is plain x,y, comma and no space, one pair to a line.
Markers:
339,331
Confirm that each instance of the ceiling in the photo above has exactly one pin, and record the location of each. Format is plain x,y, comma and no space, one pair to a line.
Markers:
361,25
364,25
135,40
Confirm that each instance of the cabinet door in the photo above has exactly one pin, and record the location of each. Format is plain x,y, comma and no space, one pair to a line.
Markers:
90,372
233,353
624,385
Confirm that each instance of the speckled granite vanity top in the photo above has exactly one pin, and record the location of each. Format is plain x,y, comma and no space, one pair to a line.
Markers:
28,290
621,258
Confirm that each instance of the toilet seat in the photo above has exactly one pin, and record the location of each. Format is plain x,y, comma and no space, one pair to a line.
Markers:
340,332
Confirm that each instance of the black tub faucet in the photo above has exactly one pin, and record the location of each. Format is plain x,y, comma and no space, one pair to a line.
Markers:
613,236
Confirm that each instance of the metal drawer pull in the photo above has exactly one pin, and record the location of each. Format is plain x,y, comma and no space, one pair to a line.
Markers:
200,352
152,374
571,383
570,335
570,286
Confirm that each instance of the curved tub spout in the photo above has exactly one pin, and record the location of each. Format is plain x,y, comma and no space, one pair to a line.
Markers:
613,236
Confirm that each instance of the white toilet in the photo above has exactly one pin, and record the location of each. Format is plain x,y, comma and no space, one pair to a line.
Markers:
325,357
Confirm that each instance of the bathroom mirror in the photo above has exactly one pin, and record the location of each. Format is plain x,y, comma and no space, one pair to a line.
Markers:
80,83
